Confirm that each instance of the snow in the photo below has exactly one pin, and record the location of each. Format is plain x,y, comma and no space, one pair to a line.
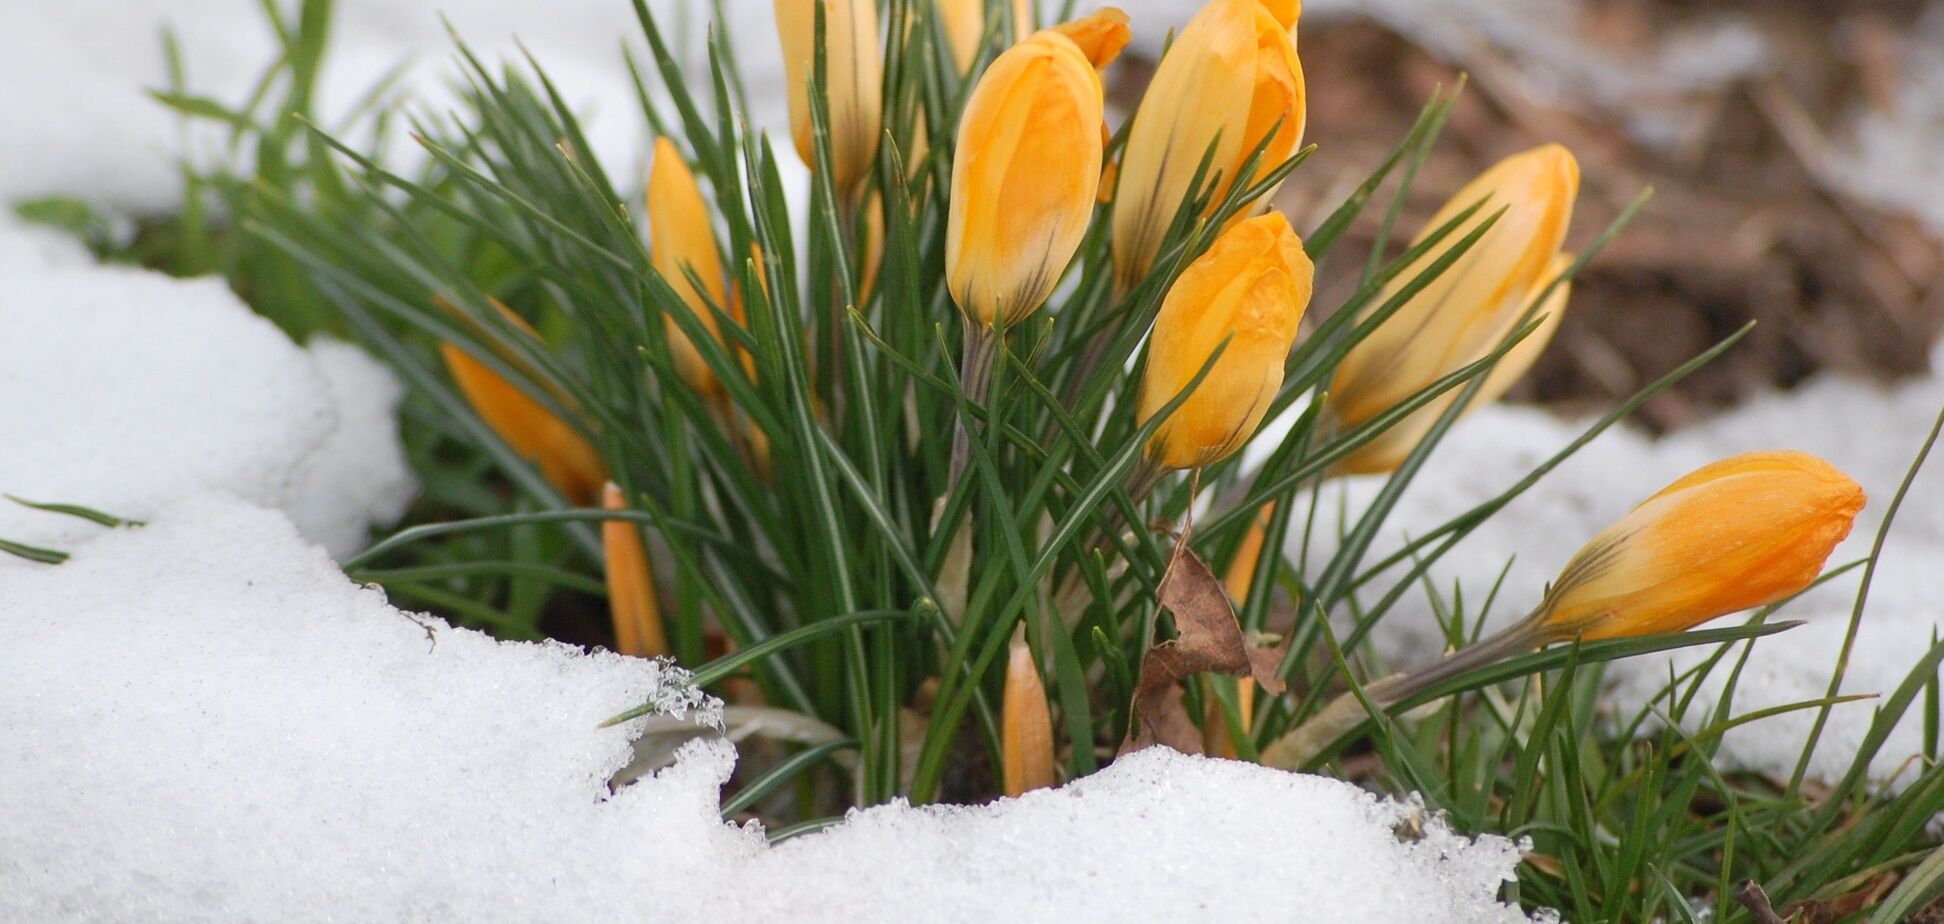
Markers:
1155,833
24,244
207,721
130,389
1869,432
358,476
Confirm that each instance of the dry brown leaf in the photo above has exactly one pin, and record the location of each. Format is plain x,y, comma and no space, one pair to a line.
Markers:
1829,910
1207,639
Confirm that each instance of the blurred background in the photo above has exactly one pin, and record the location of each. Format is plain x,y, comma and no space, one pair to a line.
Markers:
1790,142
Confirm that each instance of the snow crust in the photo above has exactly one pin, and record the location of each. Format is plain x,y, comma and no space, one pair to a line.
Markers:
1872,433
358,476
206,721
1155,834
122,389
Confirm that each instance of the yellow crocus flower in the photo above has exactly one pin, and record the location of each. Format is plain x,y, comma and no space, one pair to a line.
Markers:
1739,533
1462,315
1026,725
1024,177
1249,289
1229,79
565,458
638,627
682,240
854,78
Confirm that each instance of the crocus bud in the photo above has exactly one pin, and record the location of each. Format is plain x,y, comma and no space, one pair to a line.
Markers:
1463,314
565,458
1740,533
965,25
1249,289
1026,725
853,77
1388,449
1023,178
631,585
1228,81
683,242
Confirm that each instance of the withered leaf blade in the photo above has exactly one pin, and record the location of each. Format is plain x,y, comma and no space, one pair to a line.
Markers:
1829,910
1208,639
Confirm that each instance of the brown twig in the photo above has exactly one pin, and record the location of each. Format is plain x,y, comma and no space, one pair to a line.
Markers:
1756,901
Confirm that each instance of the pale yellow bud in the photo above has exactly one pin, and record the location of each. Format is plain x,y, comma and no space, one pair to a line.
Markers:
1229,80
1099,35
965,24
853,75
565,458
1024,177
631,584
1462,315
1740,533
682,241
1026,726
1249,289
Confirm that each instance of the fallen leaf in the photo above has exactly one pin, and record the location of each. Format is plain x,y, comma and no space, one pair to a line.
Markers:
1828,910
1207,639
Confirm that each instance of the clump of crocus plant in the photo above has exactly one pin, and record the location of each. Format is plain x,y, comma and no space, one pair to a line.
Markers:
943,446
